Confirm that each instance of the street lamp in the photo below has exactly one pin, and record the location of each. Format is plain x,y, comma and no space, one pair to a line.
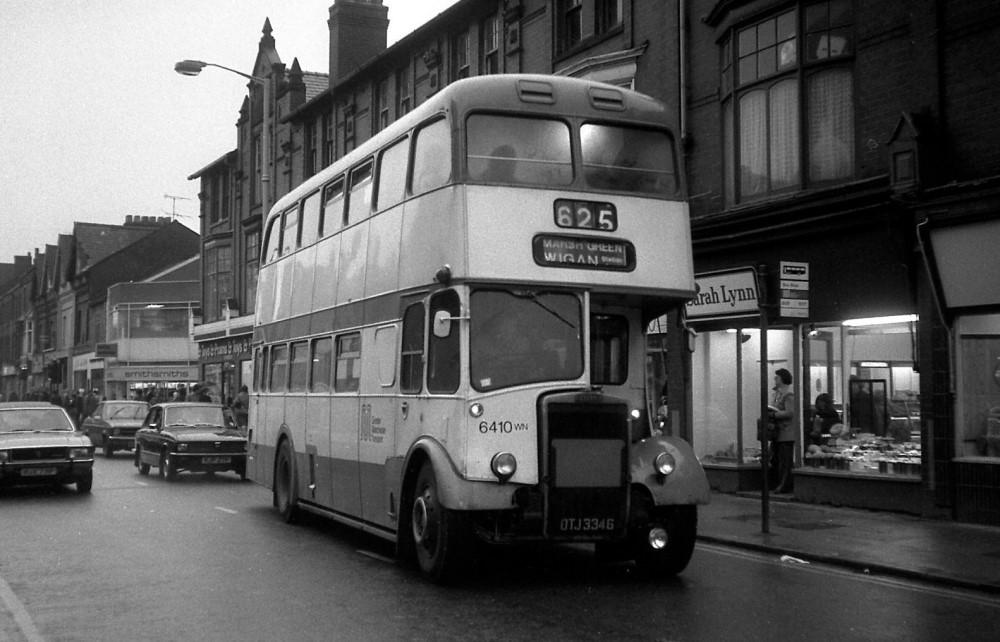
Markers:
193,68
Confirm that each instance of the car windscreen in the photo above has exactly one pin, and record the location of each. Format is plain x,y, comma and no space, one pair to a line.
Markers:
126,411
35,420
194,416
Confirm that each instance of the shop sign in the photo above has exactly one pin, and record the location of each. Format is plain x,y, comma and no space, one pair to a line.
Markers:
224,348
794,289
729,293
152,373
106,350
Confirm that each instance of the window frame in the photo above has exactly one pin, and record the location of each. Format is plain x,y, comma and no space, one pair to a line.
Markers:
736,87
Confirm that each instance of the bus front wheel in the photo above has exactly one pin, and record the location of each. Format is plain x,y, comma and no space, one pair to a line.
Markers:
439,538
664,548
285,485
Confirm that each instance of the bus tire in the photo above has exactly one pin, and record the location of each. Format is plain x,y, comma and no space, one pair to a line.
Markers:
439,537
681,526
285,484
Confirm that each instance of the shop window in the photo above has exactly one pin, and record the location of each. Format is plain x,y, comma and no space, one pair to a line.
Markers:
788,114
978,386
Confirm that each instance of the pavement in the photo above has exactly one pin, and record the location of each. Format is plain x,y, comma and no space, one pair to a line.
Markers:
877,542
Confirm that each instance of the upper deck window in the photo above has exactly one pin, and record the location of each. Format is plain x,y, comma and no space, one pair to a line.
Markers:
431,157
359,201
512,149
628,159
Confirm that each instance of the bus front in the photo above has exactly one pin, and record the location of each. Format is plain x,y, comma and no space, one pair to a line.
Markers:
576,237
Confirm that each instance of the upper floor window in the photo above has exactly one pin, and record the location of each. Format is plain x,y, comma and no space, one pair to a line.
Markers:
788,103
327,139
607,15
382,105
404,99
569,24
490,39
311,155
460,56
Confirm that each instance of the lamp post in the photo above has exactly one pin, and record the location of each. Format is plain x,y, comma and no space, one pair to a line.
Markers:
193,68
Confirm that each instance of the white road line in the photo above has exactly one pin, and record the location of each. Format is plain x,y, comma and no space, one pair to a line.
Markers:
227,510
21,616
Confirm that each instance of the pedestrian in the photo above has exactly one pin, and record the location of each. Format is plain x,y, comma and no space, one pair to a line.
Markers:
90,403
241,407
783,405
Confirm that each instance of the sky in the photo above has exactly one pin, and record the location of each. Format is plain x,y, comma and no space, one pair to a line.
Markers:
95,124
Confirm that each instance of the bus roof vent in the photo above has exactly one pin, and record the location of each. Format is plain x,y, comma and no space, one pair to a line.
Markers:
535,91
605,98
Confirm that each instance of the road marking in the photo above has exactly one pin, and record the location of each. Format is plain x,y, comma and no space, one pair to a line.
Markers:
21,616
142,483
227,510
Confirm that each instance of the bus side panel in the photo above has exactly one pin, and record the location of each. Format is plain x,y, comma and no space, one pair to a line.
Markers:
376,446
344,461
327,265
303,278
267,430
432,235
383,252
261,443
509,423
318,409
351,278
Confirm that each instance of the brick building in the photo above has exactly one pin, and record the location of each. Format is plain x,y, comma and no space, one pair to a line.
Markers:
849,142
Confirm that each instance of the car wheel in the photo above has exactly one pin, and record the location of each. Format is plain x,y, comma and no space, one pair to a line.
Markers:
681,529
285,485
85,482
168,467
439,536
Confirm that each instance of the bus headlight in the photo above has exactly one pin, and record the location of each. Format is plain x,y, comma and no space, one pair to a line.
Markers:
664,463
503,465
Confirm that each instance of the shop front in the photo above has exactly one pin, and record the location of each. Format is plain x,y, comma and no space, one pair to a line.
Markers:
964,264
839,314
226,365
152,383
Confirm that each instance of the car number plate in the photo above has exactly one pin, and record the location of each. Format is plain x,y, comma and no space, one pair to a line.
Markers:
215,460
38,472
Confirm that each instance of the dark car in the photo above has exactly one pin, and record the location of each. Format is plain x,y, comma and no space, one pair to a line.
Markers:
195,437
112,425
39,445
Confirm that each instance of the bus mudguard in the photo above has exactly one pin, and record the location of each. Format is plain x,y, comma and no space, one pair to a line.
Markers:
456,492
685,484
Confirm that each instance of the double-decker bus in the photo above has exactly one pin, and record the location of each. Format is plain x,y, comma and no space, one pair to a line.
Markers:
450,328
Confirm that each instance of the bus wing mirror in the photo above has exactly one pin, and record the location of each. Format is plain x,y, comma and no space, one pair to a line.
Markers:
442,324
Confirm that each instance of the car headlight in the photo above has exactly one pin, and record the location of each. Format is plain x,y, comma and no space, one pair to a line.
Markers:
664,463
503,465
80,453
182,447
4,457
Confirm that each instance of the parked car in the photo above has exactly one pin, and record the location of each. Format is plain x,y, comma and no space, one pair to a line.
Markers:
112,425
40,445
196,437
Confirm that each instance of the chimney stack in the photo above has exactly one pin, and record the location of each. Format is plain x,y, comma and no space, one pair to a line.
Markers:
358,31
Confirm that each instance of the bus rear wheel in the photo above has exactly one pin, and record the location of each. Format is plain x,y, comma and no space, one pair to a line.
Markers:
285,485
439,538
665,546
